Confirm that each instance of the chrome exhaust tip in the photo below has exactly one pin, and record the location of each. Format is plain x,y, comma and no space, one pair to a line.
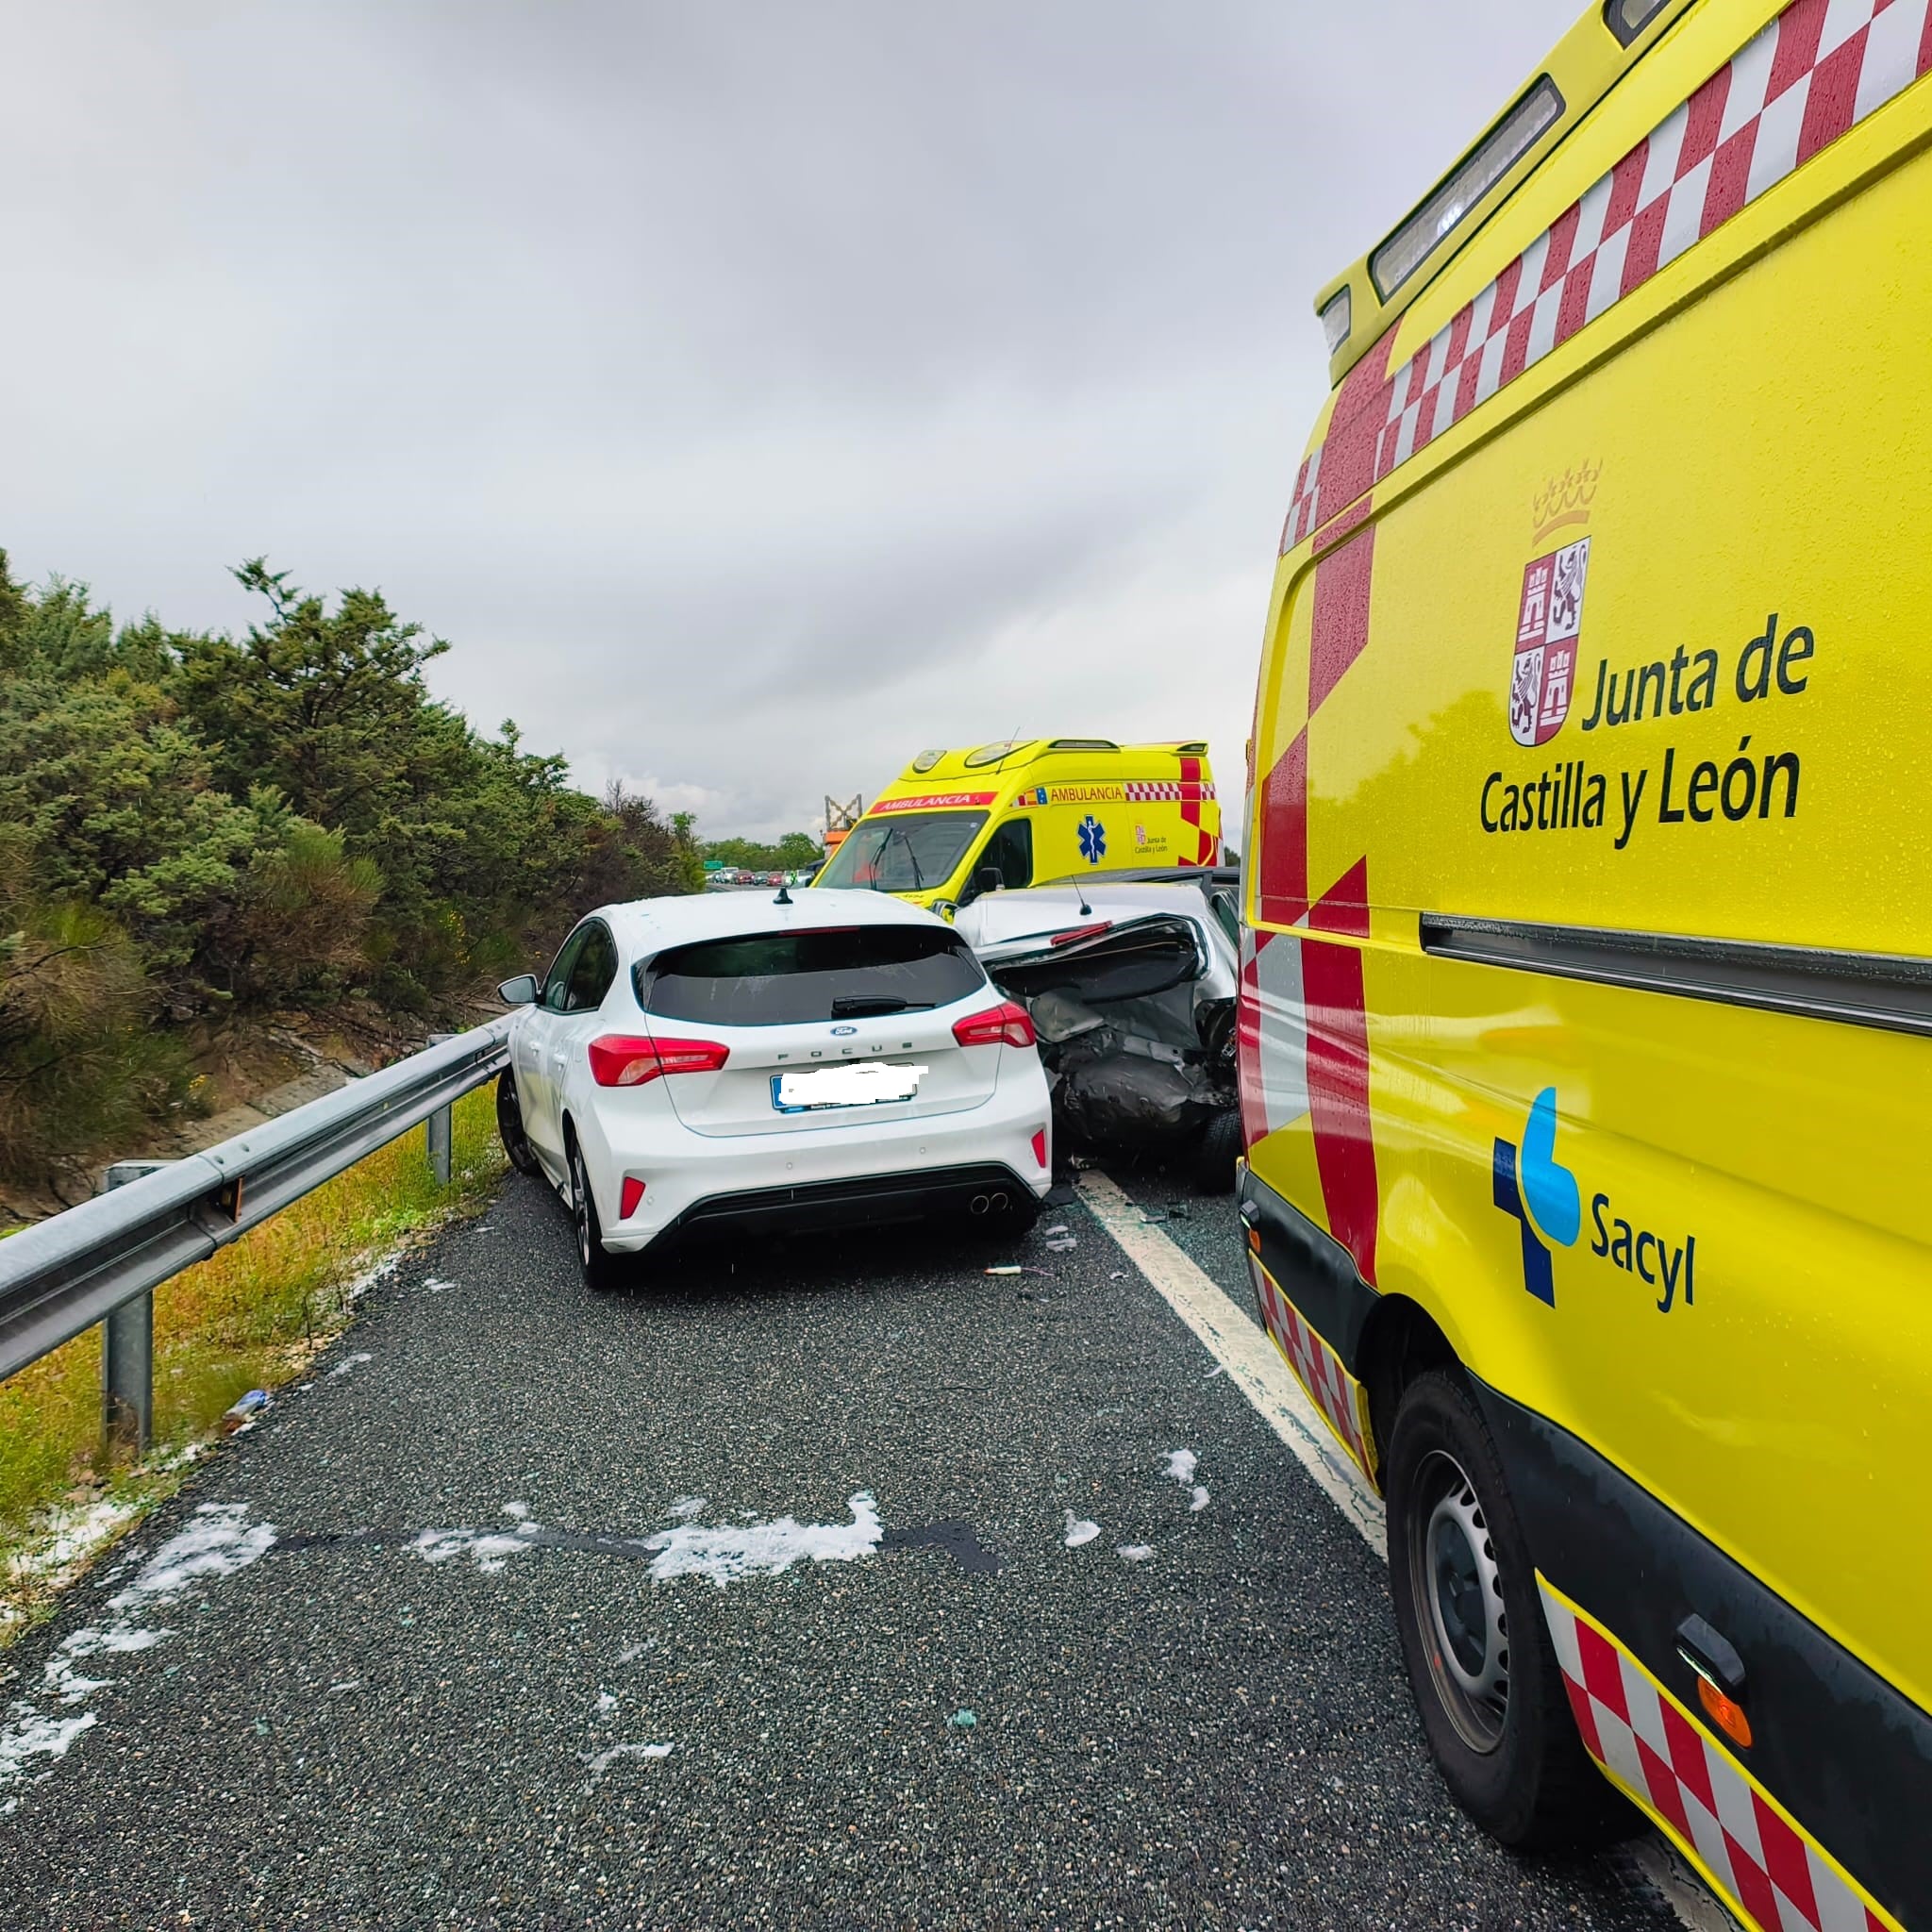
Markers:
979,1205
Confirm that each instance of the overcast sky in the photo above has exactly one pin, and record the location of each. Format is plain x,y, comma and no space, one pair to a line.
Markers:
753,393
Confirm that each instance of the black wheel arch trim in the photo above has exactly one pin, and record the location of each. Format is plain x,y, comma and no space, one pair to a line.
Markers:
1847,1753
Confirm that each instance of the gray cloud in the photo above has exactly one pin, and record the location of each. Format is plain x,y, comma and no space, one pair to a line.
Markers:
754,394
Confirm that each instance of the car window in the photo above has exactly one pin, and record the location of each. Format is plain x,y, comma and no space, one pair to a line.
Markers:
904,852
593,969
557,980
780,978
1227,913
1010,849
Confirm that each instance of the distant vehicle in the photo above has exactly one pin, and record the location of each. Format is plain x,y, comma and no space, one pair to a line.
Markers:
958,824
695,1063
1131,984
1584,1048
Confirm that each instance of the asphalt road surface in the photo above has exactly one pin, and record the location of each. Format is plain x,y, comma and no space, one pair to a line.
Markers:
833,1584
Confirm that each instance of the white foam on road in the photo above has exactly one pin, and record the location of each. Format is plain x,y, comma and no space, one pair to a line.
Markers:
601,1762
1181,1465
27,1735
1079,1530
689,1506
218,1541
92,1642
348,1362
488,1549
728,1553
1134,1553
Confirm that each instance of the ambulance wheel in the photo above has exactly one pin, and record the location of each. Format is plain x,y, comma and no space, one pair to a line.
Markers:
509,1126
1479,1659
1218,1149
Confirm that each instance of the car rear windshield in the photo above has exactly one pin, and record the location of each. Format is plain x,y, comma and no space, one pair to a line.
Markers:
784,978
904,851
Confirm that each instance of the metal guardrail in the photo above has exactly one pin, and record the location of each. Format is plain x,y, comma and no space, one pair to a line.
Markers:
88,1265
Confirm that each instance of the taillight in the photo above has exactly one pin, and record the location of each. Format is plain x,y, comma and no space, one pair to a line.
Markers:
1081,932
621,1059
1040,1148
629,1196
1006,1024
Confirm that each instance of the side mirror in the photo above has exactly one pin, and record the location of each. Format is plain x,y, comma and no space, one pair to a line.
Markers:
988,878
521,991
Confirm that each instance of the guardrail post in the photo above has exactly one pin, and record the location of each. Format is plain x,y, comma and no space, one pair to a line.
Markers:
438,1129
127,1352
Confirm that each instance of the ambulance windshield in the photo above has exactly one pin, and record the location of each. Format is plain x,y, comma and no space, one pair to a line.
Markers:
904,852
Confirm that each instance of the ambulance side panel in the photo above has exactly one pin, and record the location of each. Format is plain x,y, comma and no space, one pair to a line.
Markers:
1677,1236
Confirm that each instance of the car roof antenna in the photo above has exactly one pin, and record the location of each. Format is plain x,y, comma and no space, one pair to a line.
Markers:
784,897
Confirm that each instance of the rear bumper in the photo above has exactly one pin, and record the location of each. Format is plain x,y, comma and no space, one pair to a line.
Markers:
814,1177
869,1200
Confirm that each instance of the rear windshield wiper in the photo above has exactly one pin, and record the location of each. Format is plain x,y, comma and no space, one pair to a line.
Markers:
849,1005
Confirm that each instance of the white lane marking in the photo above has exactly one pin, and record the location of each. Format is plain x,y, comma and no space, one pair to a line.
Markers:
1242,1349
1251,1361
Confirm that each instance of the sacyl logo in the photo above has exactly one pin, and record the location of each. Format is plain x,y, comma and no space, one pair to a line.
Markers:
1542,1193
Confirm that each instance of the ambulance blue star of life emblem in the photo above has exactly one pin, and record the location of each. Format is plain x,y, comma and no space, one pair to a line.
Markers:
1092,839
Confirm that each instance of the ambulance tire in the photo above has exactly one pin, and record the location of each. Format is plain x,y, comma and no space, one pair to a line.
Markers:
509,1126
1459,1566
1220,1148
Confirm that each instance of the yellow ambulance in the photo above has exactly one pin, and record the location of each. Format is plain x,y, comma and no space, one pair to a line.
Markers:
956,823
1587,957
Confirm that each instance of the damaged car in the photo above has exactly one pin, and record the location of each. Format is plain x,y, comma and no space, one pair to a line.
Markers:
1131,987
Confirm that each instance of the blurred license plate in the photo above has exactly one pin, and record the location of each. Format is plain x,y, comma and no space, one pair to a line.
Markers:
864,1083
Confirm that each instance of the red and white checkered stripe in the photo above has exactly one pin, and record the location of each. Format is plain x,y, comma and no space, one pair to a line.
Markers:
1317,1367
1820,68
1773,1875
1165,791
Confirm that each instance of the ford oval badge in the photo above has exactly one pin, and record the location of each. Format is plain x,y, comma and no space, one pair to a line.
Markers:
844,1030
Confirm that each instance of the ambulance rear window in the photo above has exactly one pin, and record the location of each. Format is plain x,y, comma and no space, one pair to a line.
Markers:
791,979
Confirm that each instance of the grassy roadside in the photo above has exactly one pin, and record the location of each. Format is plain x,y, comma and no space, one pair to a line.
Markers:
249,1317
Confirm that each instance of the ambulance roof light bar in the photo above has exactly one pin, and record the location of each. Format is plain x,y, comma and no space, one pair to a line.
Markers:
1466,186
1358,307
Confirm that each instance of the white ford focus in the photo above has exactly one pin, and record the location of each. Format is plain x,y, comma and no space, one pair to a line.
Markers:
787,1061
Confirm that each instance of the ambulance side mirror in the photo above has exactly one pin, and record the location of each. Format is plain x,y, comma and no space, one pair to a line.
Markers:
988,878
